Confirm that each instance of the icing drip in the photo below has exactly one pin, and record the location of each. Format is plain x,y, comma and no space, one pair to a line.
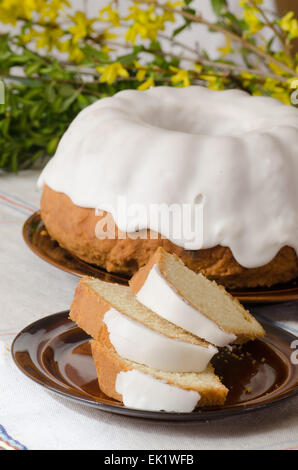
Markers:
144,392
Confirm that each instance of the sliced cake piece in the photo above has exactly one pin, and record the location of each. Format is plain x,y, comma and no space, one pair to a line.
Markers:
191,301
142,387
111,314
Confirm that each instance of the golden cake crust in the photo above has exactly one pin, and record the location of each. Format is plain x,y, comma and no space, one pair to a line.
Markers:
73,227
87,311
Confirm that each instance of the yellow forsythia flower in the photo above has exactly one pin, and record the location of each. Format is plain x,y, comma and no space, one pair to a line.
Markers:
141,71
146,23
198,68
141,74
277,91
289,24
74,52
82,26
293,82
180,76
227,49
12,10
250,15
109,15
109,73
147,84
51,9
214,83
282,57
48,39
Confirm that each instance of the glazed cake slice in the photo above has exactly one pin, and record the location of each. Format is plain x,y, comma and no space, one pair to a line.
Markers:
111,314
192,302
142,387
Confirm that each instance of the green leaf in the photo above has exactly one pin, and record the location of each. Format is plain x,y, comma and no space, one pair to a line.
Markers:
52,145
32,68
180,29
269,44
50,92
220,7
66,90
128,59
69,101
14,163
5,126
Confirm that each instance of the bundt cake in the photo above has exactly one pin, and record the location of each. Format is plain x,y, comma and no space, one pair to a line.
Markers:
228,156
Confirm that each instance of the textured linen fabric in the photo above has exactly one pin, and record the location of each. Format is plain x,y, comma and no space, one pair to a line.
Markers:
36,419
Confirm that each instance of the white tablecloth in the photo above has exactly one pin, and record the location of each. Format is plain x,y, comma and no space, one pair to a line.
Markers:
36,419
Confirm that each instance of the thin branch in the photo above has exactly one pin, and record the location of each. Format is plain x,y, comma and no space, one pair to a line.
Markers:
273,27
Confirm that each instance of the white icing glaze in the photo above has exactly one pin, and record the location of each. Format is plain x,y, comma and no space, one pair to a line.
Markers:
136,342
158,295
145,392
172,145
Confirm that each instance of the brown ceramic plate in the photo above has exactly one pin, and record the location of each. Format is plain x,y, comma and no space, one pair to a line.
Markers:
37,238
55,353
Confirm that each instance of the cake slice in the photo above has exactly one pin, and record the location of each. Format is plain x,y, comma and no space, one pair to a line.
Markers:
189,300
111,314
141,387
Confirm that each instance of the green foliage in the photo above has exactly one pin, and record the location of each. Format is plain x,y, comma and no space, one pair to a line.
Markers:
43,94
219,7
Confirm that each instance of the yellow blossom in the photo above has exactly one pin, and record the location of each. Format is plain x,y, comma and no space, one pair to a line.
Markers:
198,68
147,84
180,76
277,91
289,24
12,10
105,36
48,38
227,49
214,83
74,52
141,74
282,57
175,4
109,15
82,26
51,10
146,23
136,30
250,15
109,73
293,82
247,78
141,71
